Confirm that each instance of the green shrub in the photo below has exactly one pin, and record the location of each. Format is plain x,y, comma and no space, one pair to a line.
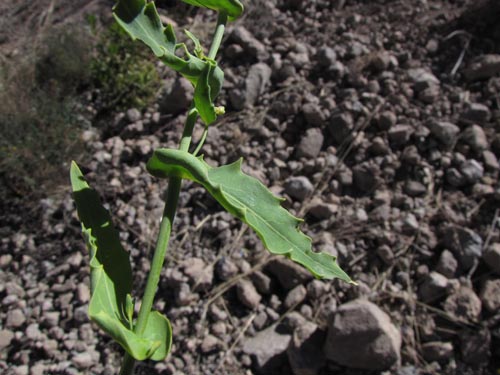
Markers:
122,72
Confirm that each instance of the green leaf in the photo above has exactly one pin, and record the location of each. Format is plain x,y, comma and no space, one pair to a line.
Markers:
111,305
248,199
203,98
141,21
233,8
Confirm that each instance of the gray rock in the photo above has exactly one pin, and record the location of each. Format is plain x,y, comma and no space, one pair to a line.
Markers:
445,132
15,318
299,187
490,161
199,274
178,98
321,210
209,344
490,295
313,114
400,134
254,85
483,67
225,269
386,120
422,78
310,143
325,57
362,336
492,257
133,115
33,332
365,177
454,177
6,337
475,346
250,45
465,244
83,293
247,294
295,296
434,286
83,360
341,126
288,273
437,351
463,304
268,348
414,188
386,254
262,282
474,136
447,264
20,370
476,113
303,354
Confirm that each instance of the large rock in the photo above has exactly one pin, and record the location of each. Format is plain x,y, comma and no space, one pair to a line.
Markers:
254,85
466,244
483,67
288,273
362,336
304,353
310,144
268,348
249,43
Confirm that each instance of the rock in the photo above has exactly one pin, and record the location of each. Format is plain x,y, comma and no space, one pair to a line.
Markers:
385,253
465,244
475,346
361,335
400,134
83,360
6,337
490,295
490,160
303,354
262,282
472,171
464,304
133,115
15,318
414,188
310,144
83,293
32,332
252,46
492,257
225,269
268,348
386,120
434,287
422,79
483,67
445,132
20,370
254,85
295,297
247,294
381,61
199,274
178,98
299,187
437,351
313,115
209,344
288,273
325,57
321,210
365,177
447,264
341,126
38,369
474,136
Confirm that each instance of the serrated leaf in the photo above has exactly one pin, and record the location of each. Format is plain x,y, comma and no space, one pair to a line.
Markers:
233,8
111,305
248,199
142,21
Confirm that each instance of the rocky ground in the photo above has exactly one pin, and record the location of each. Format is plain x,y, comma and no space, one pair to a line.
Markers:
379,121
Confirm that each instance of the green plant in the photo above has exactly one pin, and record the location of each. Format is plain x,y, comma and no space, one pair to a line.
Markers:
245,197
122,74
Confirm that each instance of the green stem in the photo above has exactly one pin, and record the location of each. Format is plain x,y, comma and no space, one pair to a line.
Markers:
201,142
172,197
219,33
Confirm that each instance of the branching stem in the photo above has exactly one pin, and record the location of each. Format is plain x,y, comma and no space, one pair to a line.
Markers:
171,199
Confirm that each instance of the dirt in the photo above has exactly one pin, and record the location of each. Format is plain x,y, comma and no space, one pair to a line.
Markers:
378,121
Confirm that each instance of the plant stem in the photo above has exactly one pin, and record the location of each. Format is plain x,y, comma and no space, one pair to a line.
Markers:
172,197
219,33
201,142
